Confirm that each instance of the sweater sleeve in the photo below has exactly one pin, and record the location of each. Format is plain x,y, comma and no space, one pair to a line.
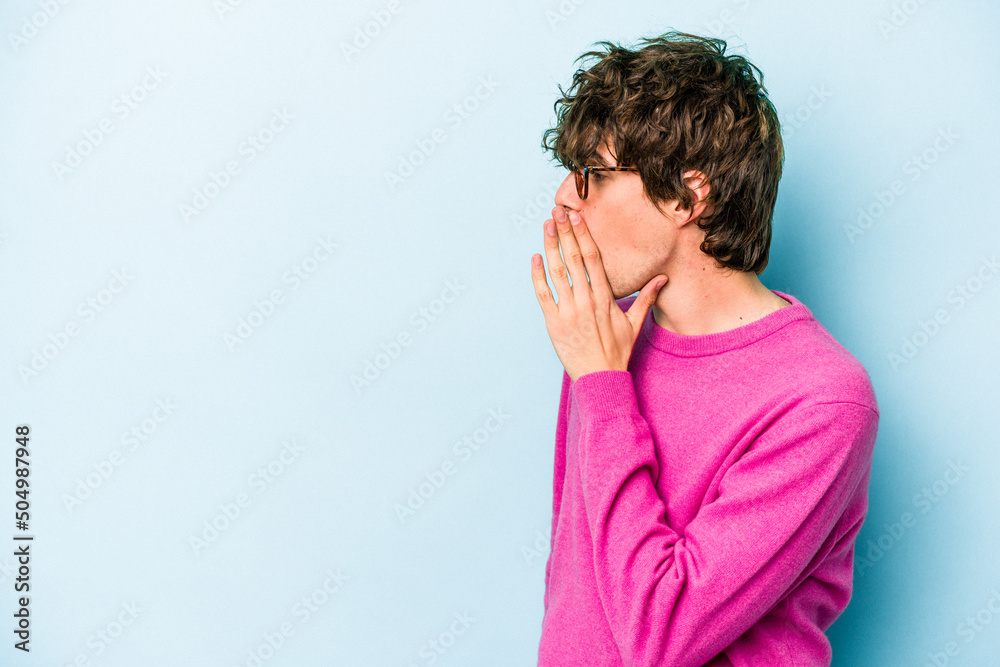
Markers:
679,599
558,474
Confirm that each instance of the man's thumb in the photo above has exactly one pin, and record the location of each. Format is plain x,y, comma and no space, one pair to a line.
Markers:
646,299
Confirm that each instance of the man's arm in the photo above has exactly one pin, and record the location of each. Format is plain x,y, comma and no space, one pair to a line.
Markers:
680,599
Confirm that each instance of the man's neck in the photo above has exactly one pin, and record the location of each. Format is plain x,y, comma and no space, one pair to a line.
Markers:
704,300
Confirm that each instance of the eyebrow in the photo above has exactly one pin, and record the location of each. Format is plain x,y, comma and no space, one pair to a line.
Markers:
597,160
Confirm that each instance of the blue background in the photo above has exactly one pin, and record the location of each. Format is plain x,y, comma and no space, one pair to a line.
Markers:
888,109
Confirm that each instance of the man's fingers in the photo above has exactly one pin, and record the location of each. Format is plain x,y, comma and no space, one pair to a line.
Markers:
542,293
560,276
572,254
592,260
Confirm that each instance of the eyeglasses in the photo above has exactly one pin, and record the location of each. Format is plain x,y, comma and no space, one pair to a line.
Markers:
582,177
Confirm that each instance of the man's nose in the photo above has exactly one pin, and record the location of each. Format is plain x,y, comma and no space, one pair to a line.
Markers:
566,195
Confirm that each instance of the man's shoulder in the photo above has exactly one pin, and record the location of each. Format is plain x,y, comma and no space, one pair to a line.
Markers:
823,369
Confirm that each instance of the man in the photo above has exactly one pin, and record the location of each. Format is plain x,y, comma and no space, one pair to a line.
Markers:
712,456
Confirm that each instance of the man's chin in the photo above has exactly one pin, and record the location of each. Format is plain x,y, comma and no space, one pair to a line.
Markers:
618,288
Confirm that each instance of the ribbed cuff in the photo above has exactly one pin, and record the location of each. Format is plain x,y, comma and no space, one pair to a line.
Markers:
604,395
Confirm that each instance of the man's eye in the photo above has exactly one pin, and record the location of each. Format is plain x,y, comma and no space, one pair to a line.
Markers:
598,175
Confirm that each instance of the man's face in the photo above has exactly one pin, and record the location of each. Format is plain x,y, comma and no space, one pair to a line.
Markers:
635,240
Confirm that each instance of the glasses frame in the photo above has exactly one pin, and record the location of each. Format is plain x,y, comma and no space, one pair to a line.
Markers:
583,177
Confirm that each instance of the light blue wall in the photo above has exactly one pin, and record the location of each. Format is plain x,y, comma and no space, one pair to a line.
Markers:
865,90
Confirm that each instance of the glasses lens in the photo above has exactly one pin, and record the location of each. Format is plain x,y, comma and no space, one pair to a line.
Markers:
581,184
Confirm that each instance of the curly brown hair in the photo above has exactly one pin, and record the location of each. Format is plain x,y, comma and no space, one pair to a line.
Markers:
676,104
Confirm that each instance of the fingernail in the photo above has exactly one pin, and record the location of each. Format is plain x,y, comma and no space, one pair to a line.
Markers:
550,228
574,217
560,213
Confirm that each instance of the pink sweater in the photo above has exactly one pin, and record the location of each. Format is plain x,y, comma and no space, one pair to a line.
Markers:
706,501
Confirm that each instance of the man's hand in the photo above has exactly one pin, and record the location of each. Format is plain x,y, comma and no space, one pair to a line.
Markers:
588,329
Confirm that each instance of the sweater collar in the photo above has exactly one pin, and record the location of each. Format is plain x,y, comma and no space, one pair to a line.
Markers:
723,341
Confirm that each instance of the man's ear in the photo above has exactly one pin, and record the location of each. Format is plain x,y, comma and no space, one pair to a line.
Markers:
698,183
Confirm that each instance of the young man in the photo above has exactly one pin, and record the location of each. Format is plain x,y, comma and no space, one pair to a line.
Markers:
714,442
